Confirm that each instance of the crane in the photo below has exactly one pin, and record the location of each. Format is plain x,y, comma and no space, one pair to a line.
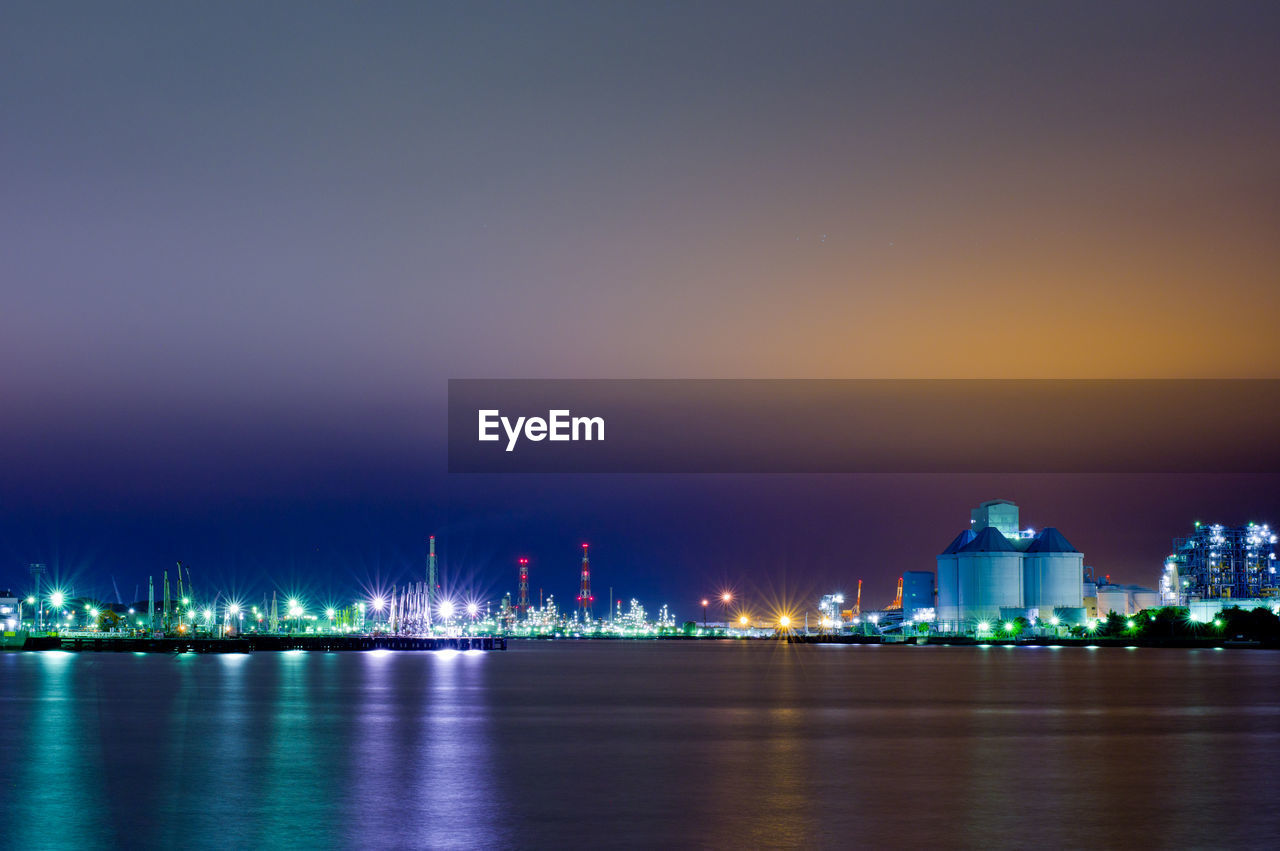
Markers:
896,605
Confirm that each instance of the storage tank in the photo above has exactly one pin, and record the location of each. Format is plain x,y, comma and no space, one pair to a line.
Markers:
949,583
1112,598
1143,598
1008,614
1070,616
990,576
1053,574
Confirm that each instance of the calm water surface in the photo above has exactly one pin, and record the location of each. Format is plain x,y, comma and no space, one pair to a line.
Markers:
653,744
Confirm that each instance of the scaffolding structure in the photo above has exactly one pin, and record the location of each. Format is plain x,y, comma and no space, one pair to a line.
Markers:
1220,562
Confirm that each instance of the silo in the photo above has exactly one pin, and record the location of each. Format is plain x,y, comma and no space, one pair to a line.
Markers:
990,572
949,583
1143,598
1070,616
1053,574
1112,598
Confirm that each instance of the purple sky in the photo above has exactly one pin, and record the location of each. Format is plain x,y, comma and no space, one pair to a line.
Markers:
242,248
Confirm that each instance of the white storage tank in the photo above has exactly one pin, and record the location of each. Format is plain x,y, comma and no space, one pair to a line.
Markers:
990,571
1143,598
1053,573
948,613
1112,598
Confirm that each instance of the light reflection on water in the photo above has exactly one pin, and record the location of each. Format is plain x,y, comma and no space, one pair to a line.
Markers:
645,743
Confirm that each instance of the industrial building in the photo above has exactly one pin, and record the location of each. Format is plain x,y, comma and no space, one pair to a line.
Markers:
1216,567
917,595
1122,599
996,571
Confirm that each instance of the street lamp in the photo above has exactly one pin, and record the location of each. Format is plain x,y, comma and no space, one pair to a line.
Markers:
704,612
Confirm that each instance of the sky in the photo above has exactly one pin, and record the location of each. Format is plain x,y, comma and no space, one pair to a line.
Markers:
243,247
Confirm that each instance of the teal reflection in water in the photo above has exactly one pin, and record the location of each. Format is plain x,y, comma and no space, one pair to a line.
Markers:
650,744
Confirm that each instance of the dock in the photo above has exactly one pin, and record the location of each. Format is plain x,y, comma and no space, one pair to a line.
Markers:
256,643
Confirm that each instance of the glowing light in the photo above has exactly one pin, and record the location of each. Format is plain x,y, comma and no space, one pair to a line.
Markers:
704,602
1128,624
1008,626
1054,621
472,609
329,613
784,621
379,604
446,609
93,613
55,599
743,620
233,609
983,626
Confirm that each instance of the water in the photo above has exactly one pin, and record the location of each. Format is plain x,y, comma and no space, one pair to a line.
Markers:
652,744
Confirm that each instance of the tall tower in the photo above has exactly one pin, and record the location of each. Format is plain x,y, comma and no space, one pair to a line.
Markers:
37,574
523,607
433,578
584,591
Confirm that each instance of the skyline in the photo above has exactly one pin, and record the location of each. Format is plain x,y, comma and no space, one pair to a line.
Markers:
774,564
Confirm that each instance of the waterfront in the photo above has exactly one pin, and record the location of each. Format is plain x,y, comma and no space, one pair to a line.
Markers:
642,744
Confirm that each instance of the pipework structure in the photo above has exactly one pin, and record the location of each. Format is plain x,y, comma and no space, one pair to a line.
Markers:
1216,562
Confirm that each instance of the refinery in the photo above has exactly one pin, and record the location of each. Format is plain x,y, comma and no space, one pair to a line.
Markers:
994,581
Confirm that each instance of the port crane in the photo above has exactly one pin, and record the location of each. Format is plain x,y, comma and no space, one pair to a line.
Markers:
896,605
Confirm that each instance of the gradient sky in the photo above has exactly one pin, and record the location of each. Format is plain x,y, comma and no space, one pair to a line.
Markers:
242,247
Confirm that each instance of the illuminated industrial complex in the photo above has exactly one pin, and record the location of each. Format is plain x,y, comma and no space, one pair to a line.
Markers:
994,579
1216,567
